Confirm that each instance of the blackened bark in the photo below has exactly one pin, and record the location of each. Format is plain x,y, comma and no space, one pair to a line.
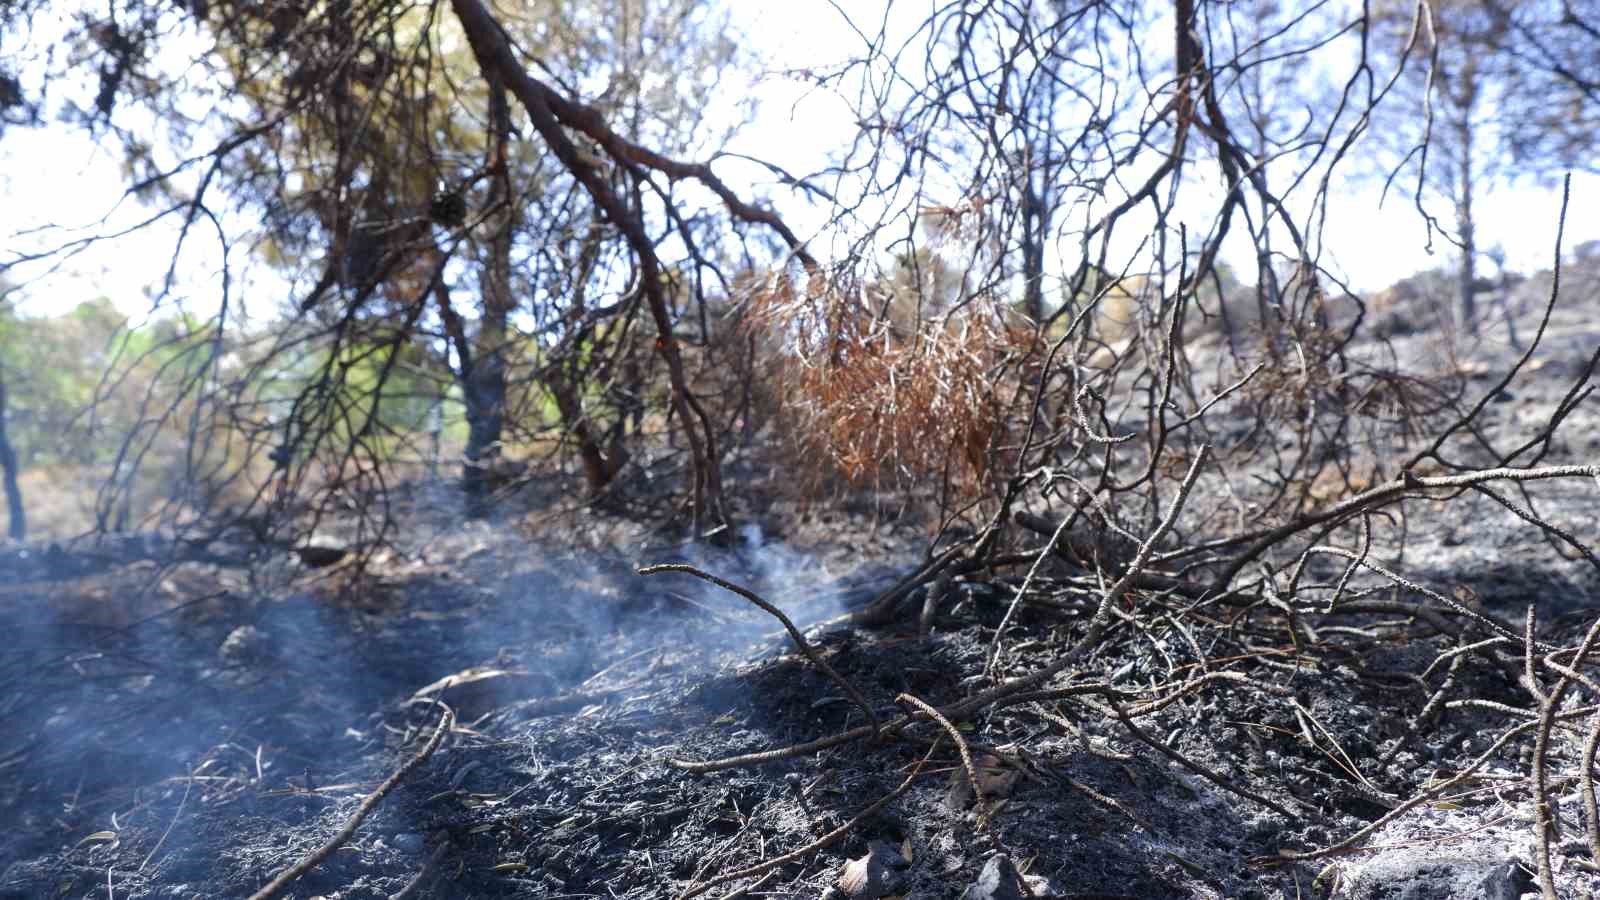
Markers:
483,389
8,462
599,466
481,372
1467,275
484,376
1035,222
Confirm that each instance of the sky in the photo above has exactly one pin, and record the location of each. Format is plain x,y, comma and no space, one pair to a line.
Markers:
1370,240
57,185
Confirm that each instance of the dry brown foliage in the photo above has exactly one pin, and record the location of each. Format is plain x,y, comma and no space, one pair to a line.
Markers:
863,399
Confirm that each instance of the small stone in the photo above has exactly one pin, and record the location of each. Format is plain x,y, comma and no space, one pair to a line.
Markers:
1043,887
243,644
877,874
999,880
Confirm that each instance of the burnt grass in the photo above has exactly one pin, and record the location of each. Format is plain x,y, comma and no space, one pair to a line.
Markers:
188,728
138,760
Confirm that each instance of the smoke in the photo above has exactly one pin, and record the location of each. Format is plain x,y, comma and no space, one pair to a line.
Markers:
234,687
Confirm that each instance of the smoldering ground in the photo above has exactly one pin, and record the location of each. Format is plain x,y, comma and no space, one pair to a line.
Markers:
174,710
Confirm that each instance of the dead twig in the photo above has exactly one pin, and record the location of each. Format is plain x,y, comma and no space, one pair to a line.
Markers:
1549,709
794,633
365,809
955,735
1413,802
962,708
187,787
819,843
1221,782
766,756
415,884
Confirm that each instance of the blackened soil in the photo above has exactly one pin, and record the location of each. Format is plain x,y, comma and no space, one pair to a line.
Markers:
163,766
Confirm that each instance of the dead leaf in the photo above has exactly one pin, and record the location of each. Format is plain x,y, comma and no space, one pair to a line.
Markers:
874,876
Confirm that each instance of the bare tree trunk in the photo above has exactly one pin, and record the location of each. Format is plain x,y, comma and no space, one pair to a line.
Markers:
1467,275
1039,202
496,59
599,466
1035,221
8,462
484,377
484,391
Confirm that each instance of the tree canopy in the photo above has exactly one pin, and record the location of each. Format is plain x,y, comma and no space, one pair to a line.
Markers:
531,217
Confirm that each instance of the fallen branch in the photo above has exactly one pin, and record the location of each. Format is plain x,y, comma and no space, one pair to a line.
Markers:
794,633
365,809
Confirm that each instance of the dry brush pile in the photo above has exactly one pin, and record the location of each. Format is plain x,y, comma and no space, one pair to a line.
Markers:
1231,534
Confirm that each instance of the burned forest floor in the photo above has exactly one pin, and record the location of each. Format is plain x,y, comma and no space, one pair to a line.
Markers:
504,707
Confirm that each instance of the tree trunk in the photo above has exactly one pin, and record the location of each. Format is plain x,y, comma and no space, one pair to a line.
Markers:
481,371
1467,275
495,57
483,389
1038,202
8,462
1035,221
599,466
484,376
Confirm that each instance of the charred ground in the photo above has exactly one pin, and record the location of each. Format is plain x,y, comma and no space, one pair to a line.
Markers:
190,723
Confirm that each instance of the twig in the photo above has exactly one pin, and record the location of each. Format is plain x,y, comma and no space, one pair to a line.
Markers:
794,633
766,756
955,735
1544,322
1102,614
881,610
1591,809
188,786
750,888
819,843
412,886
1384,494
1549,705
1498,627
1420,798
1428,711
1195,767
1021,591
1015,686
367,806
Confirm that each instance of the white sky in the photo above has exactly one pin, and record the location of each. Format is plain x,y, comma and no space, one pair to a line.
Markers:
1370,246
57,177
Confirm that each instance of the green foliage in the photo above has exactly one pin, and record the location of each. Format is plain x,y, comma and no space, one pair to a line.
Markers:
374,394
82,381
53,367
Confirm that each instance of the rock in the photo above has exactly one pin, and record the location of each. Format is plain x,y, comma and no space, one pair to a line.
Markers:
1043,888
877,874
243,644
1426,873
999,880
